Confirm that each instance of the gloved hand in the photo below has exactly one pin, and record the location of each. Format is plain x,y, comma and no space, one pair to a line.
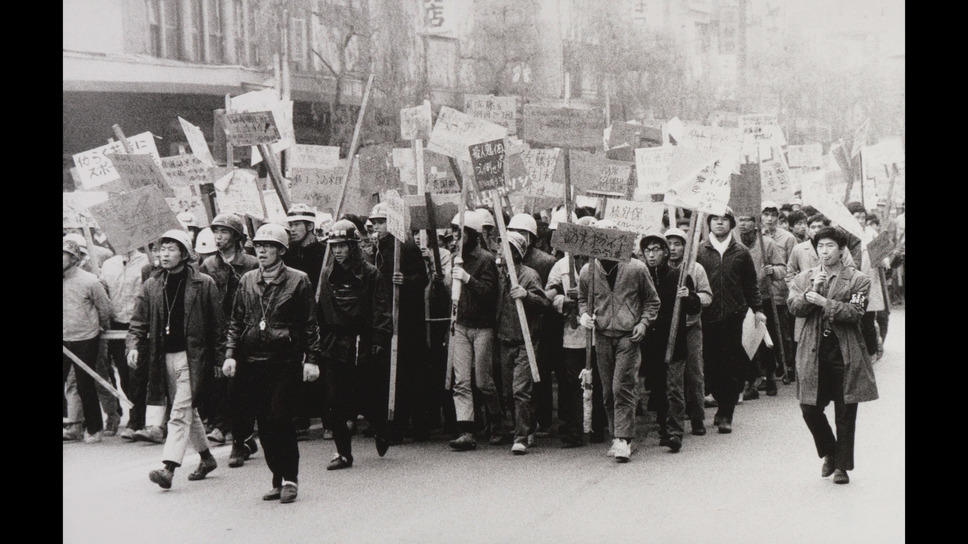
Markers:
460,274
228,367
133,358
310,372
587,321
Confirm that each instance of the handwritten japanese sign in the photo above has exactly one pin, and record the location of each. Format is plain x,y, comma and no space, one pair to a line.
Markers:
635,216
652,169
806,156
608,244
708,191
881,246
313,156
398,223
196,140
487,160
185,170
251,128
726,141
134,172
455,131
545,172
757,129
499,110
76,204
416,122
94,168
596,173
775,178
564,127
268,100
135,218
187,199
238,191
321,188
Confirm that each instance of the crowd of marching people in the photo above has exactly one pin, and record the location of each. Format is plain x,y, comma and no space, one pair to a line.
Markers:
242,336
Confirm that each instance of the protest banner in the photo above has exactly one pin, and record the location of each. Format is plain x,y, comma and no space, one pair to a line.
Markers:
377,172
707,191
880,247
746,191
805,156
239,192
196,140
564,126
75,208
596,173
760,127
638,217
251,128
500,110
775,178
835,210
94,168
185,170
268,100
455,131
545,172
416,122
608,244
187,199
135,172
321,188
754,333
313,156
487,161
398,223
133,219
444,209
725,141
652,170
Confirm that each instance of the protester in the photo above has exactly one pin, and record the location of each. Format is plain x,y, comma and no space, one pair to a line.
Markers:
624,304
833,364
179,325
798,226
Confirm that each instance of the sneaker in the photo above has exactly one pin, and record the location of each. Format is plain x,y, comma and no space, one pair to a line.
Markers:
464,442
111,427
339,462
128,434
251,448
151,433
623,451
216,436
611,451
237,456
162,477
92,438
288,492
519,449
203,469
73,432
273,495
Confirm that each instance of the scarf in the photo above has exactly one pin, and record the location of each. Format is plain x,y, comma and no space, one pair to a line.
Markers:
270,273
748,238
721,246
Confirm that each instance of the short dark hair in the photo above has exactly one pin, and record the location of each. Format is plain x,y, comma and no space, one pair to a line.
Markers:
809,210
854,207
818,217
872,218
795,217
831,233
786,207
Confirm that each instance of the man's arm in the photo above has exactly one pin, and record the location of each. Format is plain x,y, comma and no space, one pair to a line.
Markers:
382,318
748,282
703,290
650,299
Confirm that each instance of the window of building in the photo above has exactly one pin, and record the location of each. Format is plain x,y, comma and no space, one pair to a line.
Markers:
251,36
216,43
240,39
163,36
197,26
154,28
298,41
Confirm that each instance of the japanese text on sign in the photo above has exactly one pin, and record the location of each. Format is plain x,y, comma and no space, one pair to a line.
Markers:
609,244
706,192
185,170
437,16
565,127
416,122
238,191
775,178
455,131
499,110
313,156
633,216
76,206
136,171
614,180
133,219
196,140
94,168
545,172
251,128
487,159
397,221
652,169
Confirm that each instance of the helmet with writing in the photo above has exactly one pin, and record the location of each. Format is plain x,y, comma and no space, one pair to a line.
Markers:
272,232
343,230
229,221
524,221
472,220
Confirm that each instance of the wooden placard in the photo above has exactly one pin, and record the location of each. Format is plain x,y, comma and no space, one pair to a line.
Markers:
487,161
133,219
398,221
76,205
745,192
638,217
196,140
455,131
94,168
136,171
564,126
416,122
251,128
608,244
881,246
500,110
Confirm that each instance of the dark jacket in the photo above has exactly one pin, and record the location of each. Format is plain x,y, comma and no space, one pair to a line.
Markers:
540,262
411,311
619,309
287,305
204,332
508,322
477,307
227,275
732,277
353,300
657,337
307,258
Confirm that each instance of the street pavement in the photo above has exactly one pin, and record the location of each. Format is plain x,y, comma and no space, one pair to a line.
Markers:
760,484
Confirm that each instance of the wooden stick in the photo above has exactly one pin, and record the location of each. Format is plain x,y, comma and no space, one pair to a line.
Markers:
120,136
90,250
692,247
229,153
276,176
97,377
590,333
394,341
776,315
456,261
569,208
513,276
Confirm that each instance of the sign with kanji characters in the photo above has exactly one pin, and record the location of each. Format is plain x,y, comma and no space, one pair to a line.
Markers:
313,156
134,219
564,126
76,204
500,110
546,173
268,100
416,122
321,188
487,160
640,217
398,223
196,140
455,131
757,128
608,244
185,170
805,156
187,199
94,168
438,16
595,172
652,169
238,191
725,141
775,178
134,172
251,128
707,191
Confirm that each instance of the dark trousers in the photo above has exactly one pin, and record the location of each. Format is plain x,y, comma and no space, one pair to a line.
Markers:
869,331
374,387
412,402
725,361
765,359
270,393
830,387
339,379
85,350
134,383
241,415
548,352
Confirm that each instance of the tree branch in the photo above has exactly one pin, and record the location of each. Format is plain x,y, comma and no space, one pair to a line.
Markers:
326,64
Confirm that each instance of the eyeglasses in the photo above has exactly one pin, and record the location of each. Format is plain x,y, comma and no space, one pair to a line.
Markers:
653,250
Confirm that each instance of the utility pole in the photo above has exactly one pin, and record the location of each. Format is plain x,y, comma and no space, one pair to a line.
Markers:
741,77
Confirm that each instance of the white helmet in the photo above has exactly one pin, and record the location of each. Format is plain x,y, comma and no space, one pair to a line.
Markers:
182,238
79,240
487,216
205,242
524,221
379,211
606,224
517,241
472,220
558,216
272,232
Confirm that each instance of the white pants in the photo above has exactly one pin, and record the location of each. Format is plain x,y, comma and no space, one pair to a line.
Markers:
184,425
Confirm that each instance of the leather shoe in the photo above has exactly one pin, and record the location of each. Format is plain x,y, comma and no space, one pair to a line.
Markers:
674,443
664,441
162,477
571,443
251,447
288,493
725,427
237,457
339,462
840,476
273,494
382,445
828,466
698,428
771,389
204,467
464,442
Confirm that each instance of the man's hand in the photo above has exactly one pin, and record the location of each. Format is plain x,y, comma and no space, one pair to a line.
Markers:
132,358
815,298
683,292
518,292
587,321
397,278
228,367
760,317
310,372
572,293
459,274
819,279
638,333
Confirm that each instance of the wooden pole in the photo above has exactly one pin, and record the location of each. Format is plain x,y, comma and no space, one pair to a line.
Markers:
120,136
860,158
692,247
456,261
890,194
569,208
394,341
229,153
418,163
513,276
590,333
276,175
776,315
101,381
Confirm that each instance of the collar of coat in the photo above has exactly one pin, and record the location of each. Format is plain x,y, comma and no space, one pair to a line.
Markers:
280,277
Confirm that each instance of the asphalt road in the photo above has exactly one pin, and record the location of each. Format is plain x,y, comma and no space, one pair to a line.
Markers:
759,484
